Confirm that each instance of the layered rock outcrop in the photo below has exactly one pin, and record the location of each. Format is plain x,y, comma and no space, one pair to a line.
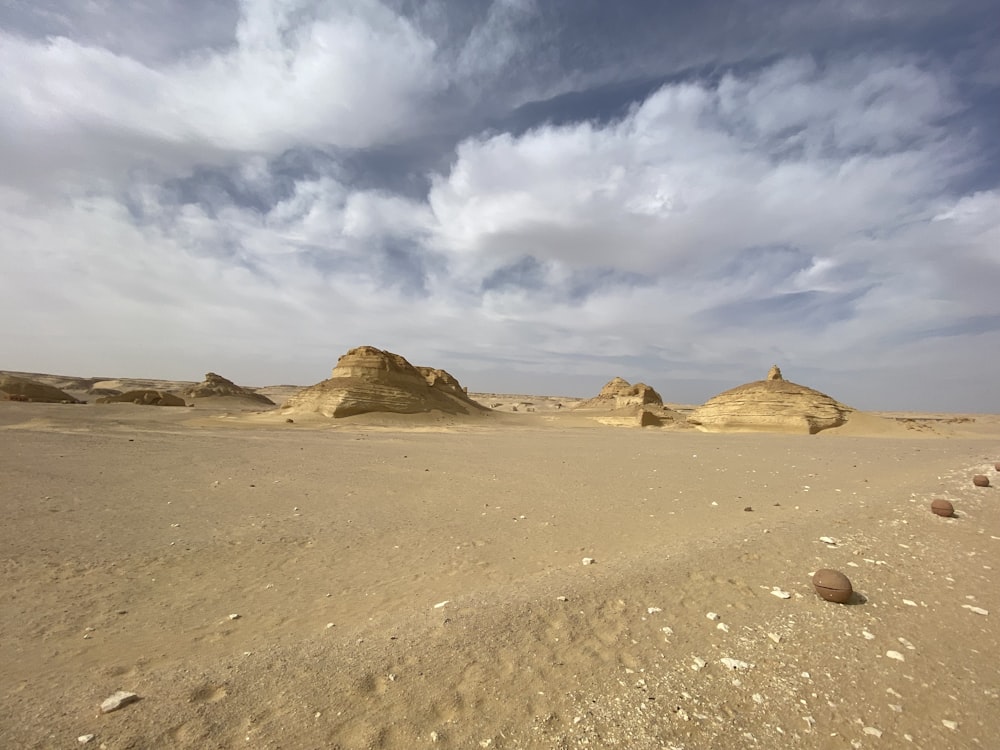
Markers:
771,405
618,393
367,379
144,398
216,386
13,388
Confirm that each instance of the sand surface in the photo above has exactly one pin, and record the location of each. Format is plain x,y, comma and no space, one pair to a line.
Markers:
407,583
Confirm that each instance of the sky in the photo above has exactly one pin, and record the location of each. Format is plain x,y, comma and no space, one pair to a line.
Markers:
536,196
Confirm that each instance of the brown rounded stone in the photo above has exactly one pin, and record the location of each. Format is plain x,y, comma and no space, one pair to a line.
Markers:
997,466
981,480
941,507
833,585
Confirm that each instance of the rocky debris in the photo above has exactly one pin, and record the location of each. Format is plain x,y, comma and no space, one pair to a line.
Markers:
118,700
215,386
13,388
367,380
144,398
774,404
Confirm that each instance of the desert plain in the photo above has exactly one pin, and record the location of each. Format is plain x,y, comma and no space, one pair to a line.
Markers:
544,578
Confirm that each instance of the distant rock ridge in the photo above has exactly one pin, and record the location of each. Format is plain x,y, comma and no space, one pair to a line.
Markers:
367,379
618,393
144,397
774,404
14,388
214,386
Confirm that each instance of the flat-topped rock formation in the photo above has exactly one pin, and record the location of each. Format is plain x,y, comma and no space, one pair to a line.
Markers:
216,386
14,388
774,404
144,398
367,379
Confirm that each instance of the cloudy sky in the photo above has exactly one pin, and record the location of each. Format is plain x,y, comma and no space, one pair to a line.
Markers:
534,195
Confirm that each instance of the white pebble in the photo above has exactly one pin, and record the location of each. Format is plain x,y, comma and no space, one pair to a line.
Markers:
828,540
588,561
895,655
774,637
441,604
868,636
653,610
723,627
713,616
977,610
952,725
734,663
909,603
699,664
83,739
872,731
117,700
234,616
667,630
780,594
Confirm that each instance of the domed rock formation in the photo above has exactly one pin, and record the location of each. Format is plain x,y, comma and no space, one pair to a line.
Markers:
216,386
367,379
144,398
618,393
774,404
13,388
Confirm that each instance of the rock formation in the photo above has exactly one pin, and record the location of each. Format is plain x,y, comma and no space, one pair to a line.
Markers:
216,386
13,388
367,379
618,393
774,404
144,398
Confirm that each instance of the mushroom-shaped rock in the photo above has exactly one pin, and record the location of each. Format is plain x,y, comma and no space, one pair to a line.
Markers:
775,405
367,379
216,386
13,388
774,373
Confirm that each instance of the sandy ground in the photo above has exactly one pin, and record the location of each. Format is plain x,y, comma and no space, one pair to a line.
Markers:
407,583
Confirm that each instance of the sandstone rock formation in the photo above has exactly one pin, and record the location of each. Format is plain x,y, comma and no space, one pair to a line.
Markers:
216,386
774,404
625,405
618,393
367,379
144,398
13,388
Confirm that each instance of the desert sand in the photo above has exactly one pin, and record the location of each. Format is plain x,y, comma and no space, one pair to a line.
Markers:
407,581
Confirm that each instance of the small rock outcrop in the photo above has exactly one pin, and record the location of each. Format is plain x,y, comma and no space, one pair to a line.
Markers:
144,398
13,388
216,386
771,405
367,380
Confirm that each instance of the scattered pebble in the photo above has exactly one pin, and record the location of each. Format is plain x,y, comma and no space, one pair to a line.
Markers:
83,739
868,636
872,731
441,604
780,594
828,540
699,664
977,610
117,700
653,610
588,561
895,655
234,616
723,627
774,637
667,630
713,616
562,599
735,663
909,603
952,725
